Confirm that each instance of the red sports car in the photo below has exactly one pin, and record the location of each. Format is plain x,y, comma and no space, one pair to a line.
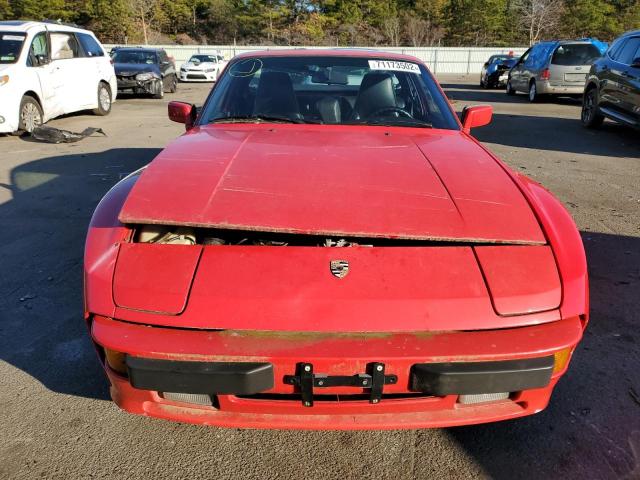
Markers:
327,247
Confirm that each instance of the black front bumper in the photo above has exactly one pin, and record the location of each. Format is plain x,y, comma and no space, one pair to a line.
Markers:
249,378
468,378
238,378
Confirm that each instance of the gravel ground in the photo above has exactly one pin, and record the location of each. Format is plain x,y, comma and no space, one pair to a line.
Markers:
58,422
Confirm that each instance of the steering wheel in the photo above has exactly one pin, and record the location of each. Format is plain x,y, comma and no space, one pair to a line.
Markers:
401,111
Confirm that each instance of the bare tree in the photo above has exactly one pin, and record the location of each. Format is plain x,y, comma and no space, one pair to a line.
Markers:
539,17
421,32
416,29
144,12
391,28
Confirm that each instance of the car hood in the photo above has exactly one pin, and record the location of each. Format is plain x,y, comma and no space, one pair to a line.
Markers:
200,66
334,180
133,68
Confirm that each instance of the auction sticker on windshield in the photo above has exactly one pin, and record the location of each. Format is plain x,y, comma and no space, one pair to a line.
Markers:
394,66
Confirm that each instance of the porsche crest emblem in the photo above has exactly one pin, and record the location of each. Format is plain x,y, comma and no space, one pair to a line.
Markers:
339,268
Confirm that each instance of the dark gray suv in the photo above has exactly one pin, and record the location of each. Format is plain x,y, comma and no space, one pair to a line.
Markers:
612,89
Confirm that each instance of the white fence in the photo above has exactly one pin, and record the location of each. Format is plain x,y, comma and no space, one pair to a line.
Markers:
439,59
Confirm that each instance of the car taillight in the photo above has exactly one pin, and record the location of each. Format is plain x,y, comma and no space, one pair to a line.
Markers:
545,75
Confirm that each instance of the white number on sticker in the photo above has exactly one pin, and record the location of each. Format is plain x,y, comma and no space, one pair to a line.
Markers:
394,65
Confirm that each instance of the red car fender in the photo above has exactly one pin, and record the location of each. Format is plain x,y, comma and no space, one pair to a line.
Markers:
101,247
563,236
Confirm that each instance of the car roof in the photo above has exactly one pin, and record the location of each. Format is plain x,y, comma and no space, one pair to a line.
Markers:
330,52
139,49
27,25
573,42
631,33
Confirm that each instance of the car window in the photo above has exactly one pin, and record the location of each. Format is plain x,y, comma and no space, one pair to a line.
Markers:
629,51
575,54
499,59
90,46
202,58
64,46
334,90
525,56
616,47
135,56
39,46
539,56
10,46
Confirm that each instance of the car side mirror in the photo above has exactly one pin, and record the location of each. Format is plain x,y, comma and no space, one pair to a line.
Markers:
636,63
182,112
477,116
486,64
41,60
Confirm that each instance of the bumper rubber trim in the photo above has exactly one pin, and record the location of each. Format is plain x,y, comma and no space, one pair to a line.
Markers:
230,378
468,378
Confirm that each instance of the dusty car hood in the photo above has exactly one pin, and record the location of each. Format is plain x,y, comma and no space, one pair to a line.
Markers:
339,181
133,68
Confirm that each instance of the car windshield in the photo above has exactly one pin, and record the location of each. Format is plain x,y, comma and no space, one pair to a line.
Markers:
575,54
10,46
329,90
135,56
202,58
500,59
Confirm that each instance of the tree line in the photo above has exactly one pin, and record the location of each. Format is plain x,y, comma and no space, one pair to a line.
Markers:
337,22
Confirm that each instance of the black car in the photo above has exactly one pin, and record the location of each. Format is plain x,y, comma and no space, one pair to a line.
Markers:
495,70
612,88
144,71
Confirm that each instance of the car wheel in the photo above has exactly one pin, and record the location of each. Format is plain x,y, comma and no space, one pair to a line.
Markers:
590,116
174,84
533,92
159,90
30,114
510,90
104,100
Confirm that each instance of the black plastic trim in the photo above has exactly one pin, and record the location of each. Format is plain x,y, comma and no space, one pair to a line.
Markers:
468,378
231,378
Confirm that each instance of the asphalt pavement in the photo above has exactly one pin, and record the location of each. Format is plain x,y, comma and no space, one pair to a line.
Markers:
56,419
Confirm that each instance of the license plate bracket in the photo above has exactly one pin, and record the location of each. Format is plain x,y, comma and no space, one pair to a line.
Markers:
374,380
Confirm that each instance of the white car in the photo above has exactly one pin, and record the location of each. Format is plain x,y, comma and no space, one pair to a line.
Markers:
49,69
203,67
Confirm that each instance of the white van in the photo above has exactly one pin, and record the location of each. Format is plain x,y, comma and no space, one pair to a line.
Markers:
49,69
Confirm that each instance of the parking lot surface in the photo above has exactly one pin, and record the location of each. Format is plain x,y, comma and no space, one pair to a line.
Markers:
56,417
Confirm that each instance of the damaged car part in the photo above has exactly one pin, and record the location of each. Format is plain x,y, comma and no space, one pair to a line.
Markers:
47,134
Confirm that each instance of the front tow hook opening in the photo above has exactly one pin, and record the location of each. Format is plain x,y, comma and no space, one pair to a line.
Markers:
374,380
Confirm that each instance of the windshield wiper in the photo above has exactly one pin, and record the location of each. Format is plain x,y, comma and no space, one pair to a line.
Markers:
259,118
396,122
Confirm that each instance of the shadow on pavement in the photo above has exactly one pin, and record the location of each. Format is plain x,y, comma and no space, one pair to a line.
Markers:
550,133
559,134
45,224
